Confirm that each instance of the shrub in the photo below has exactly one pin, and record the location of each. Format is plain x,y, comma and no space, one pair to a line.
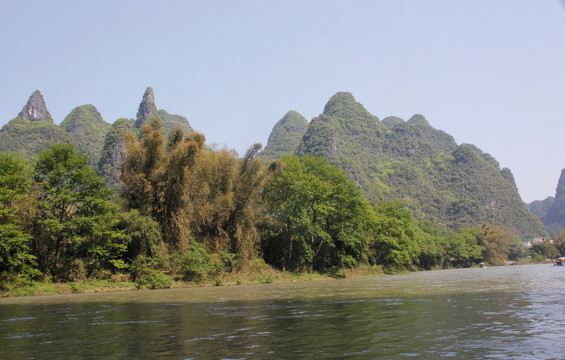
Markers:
196,263
145,273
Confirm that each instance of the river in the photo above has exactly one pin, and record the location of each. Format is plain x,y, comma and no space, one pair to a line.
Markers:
514,312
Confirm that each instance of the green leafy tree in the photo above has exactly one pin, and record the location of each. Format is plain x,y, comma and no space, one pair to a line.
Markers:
517,250
396,241
433,253
74,224
315,217
463,248
16,259
545,249
142,235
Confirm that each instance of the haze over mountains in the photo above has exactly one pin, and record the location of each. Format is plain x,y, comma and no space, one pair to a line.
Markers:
449,184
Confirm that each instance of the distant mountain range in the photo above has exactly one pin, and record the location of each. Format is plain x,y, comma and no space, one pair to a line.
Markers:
449,184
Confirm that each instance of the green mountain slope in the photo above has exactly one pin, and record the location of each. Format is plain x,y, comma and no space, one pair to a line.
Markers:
86,130
286,136
541,207
32,130
171,120
438,139
451,185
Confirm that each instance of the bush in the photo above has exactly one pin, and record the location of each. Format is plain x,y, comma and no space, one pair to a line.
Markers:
145,273
155,280
196,264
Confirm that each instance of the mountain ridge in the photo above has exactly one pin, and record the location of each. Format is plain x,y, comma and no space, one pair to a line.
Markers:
440,181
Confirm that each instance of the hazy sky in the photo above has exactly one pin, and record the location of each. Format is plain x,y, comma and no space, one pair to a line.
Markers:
490,73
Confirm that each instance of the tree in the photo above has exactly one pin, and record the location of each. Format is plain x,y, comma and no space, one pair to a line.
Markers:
224,197
545,249
74,224
396,235
495,241
156,177
315,217
463,247
559,242
15,257
432,247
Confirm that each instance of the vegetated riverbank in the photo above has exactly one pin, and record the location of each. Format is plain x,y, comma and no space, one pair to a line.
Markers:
265,274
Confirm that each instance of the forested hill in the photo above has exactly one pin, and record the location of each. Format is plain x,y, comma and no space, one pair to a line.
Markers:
448,184
551,210
33,130
286,136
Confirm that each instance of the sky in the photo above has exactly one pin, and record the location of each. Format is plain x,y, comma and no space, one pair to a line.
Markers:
490,73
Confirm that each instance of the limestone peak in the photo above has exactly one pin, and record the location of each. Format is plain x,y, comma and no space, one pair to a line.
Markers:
147,107
35,109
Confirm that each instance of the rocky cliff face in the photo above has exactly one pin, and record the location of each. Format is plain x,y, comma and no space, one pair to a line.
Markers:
147,108
113,152
35,109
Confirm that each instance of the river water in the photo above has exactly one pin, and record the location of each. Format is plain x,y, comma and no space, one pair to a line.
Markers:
514,312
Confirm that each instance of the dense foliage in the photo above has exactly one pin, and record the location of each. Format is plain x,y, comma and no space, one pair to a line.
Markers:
450,185
315,217
360,192
194,215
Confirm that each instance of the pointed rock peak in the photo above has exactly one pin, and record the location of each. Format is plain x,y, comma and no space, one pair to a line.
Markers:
35,109
147,107
148,95
560,190
418,120
562,177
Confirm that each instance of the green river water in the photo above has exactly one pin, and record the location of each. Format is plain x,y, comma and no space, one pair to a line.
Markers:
514,312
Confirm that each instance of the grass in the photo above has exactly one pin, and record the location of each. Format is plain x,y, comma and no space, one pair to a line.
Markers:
49,288
257,272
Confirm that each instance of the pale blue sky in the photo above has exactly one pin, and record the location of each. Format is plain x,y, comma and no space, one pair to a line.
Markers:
490,73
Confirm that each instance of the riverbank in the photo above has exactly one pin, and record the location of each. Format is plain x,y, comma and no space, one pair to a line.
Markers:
123,283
